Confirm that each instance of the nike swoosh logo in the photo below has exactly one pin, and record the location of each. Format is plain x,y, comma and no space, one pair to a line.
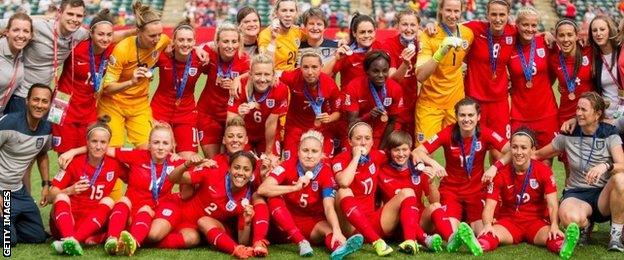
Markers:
145,166
509,186
168,68
355,64
212,189
387,180
514,56
361,100
82,63
297,92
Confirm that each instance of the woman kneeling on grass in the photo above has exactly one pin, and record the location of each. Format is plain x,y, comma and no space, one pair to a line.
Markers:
81,194
526,189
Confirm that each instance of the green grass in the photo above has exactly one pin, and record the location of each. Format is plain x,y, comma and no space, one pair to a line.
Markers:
596,250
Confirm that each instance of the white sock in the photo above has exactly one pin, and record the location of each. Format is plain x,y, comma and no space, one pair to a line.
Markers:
616,228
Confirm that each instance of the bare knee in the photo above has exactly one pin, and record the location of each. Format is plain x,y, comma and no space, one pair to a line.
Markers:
406,193
61,197
147,209
572,216
108,202
618,183
191,237
343,192
434,206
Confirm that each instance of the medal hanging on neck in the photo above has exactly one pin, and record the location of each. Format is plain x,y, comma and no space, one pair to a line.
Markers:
96,173
255,103
231,204
301,172
96,75
493,50
180,85
378,101
468,161
157,183
570,80
527,66
315,104
527,176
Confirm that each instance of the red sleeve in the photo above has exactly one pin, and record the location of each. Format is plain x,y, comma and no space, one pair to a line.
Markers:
326,178
65,178
494,139
351,103
199,174
339,64
288,77
281,97
397,98
279,173
123,171
441,138
129,155
234,103
340,162
388,46
473,25
334,96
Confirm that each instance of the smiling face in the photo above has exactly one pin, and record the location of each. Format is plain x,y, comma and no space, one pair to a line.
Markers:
498,15
527,27
150,34
365,34
97,143
102,35
250,25
38,102
400,154
315,27
262,76
310,152
160,143
521,151
19,33
451,12
71,19
228,44
467,117
408,26
600,32
362,135
241,170
235,139
184,41
287,13
566,37
378,72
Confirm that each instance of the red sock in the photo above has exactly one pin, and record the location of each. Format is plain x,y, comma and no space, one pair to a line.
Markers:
63,218
442,223
221,240
95,221
118,219
358,219
284,220
410,220
260,222
328,244
554,245
488,242
173,240
140,226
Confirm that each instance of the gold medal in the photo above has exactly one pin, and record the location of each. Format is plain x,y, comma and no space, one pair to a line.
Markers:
384,118
571,96
317,123
529,84
177,102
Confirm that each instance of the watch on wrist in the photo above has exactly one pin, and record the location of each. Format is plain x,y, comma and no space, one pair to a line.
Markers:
46,183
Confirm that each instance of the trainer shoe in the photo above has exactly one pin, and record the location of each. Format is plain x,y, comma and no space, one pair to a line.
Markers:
353,244
615,243
72,247
454,243
260,248
470,240
305,249
434,243
128,243
57,247
382,248
242,252
585,235
409,247
111,246
569,242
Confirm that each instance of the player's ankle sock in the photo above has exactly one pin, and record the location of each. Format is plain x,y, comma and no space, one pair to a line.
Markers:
260,221
488,242
328,244
284,220
221,240
63,218
358,219
554,245
140,226
173,240
118,219
96,220
442,223
410,220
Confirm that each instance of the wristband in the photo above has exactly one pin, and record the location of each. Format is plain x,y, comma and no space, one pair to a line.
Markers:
46,183
610,166
499,165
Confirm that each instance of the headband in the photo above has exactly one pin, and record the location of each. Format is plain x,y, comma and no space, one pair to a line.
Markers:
523,133
503,2
98,128
567,21
184,26
356,125
103,21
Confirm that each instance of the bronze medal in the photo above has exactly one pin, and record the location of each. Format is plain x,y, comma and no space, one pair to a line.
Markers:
384,118
317,123
494,76
571,96
529,84
177,102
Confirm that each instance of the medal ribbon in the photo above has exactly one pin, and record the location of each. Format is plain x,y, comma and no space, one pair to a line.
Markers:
228,190
591,151
448,30
224,74
364,159
354,47
570,81
493,60
468,161
375,95
96,173
157,183
524,184
180,85
96,76
264,96
317,168
527,66
610,70
315,104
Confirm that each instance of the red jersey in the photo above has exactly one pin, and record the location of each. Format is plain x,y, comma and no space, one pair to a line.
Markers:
584,81
525,99
507,187
214,98
140,177
468,184
480,82
394,47
392,180
214,196
102,185
309,200
273,102
358,98
76,80
352,66
300,113
364,184
164,101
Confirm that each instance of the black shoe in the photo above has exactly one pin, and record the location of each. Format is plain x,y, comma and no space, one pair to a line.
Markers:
585,234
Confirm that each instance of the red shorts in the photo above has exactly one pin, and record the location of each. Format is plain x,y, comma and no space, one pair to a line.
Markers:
463,208
184,130
69,136
169,211
495,115
545,129
306,223
210,130
522,230
293,136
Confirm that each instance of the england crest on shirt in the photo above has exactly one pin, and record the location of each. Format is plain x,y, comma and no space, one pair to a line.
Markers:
415,179
508,40
325,52
314,185
478,146
169,169
465,44
39,143
270,102
109,176
541,52
600,144
192,71
534,184
154,54
387,101
56,141
585,61
372,169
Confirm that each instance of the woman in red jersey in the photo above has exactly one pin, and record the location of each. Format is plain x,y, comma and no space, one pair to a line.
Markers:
400,174
82,79
571,64
530,81
80,194
527,193
315,103
461,189
226,63
402,50
374,98
174,99
223,197
301,190
263,101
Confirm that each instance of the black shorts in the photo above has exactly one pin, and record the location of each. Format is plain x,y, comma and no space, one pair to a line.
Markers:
589,195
